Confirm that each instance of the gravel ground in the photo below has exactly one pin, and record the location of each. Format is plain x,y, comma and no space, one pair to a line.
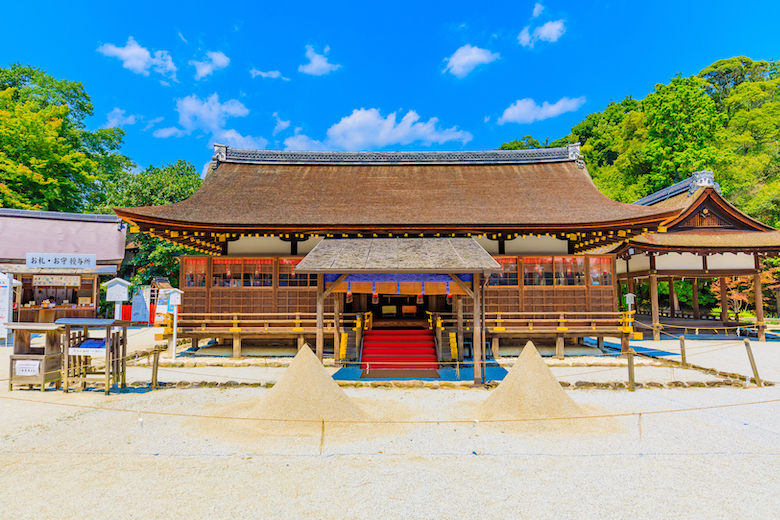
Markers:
70,463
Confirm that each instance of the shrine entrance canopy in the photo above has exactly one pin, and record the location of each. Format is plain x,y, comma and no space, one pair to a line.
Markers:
367,256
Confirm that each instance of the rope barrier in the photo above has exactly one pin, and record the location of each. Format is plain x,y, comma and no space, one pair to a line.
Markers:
419,421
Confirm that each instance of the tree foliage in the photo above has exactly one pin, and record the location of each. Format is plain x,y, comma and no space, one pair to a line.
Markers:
44,141
151,187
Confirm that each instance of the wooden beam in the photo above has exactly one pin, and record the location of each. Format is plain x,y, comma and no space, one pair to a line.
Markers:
463,285
335,284
337,328
320,344
654,304
759,297
695,296
672,302
476,343
724,300
459,314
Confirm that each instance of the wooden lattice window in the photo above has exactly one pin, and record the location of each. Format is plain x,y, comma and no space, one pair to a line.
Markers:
569,270
289,278
538,270
226,272
508,275
600,270
195,272
258,272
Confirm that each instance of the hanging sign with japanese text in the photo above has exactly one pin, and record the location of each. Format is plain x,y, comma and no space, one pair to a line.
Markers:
61,260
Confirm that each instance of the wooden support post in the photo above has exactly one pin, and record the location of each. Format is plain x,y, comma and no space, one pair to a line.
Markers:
631,381
459,313
724,300
624,345
477,329
155,366
672,299
683,358
494,346
438,336
695,295
320,343
600,343
559,347
236,345
336,328
109,361
654,304
752,362
301,341
759,297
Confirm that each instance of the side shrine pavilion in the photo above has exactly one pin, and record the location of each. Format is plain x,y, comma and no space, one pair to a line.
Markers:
473,246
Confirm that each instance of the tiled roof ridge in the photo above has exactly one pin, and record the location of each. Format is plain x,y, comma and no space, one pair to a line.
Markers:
227,154
57,215
703,178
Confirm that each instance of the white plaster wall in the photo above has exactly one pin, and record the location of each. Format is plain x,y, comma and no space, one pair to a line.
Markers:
621,266
679,262
260,246
528,246
731,261
639,263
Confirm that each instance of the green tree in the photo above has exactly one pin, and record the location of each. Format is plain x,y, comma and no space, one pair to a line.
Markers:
37,91
39,167
725,75
151,187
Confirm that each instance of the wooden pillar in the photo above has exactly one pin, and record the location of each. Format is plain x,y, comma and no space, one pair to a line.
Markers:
301,341
759,296
654,304
320,344
559,347
459,313
494,346
695,295
724,300
632,285
672,299
477,340
236,345
336,327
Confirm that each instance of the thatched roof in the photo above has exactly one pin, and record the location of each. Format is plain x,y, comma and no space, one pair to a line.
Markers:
515,189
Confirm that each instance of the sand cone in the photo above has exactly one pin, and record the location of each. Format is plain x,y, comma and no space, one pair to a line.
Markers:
529,391
306,391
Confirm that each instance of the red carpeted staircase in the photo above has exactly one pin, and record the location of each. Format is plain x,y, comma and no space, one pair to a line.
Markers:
399,350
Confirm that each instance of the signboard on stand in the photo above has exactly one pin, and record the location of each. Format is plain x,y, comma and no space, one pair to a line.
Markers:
140,310
6,302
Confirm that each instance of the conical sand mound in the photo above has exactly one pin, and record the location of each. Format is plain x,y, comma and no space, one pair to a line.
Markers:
306,392
529,391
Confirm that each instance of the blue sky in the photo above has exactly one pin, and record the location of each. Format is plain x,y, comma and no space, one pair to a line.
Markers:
369,76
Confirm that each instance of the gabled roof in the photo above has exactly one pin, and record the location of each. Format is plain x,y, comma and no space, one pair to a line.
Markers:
320,192
396,255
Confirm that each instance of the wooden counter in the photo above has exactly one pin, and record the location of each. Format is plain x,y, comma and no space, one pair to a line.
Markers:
51,314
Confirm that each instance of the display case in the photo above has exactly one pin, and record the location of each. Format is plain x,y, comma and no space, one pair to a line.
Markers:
35,365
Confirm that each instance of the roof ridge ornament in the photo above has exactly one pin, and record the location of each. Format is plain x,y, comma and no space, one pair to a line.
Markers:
220,154
576,155
703,179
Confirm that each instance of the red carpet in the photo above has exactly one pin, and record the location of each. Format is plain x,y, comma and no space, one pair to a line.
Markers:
399,350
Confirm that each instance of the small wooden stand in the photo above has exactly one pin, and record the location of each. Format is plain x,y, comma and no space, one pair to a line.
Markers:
78,367
49,357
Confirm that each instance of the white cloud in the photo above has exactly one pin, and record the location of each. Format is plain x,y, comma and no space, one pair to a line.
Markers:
367,129
273,74
151,123
549,32
214,61
116,118
210,116
139,60
466,59
183,38
318,64
538,8
487,118
205,169
527,111
281,125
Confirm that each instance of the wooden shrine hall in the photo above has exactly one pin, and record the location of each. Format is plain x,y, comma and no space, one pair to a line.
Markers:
537,213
